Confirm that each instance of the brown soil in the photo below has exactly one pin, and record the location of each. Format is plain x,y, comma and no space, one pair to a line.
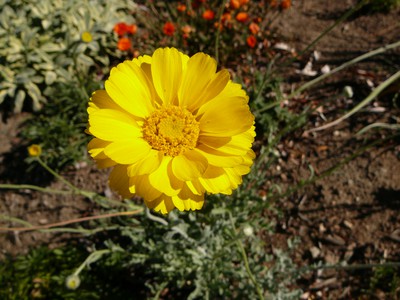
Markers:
350,216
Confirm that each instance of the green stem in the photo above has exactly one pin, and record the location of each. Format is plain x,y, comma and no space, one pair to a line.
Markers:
55,174
94,256
220,11
246,261
34,187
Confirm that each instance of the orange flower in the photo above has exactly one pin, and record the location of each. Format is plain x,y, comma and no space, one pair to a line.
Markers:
243,2
131,29
251,41
285,4
242,17
169,28
226,17
181,7
254,28
124,44
208,14
235,4
186,31
120,28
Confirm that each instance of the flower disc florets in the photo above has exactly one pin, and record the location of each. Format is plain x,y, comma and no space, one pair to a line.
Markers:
172,128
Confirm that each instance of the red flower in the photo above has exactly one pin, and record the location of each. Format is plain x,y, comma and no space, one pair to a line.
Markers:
208,14
251,41
169,28
124,44
242,17
285,4
120,28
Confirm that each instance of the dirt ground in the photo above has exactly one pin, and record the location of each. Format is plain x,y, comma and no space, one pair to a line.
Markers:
350,216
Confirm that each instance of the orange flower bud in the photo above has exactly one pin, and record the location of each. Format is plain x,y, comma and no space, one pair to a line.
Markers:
285,4
235,4
208,14
254,28
132,29
124,44
181,7
242,17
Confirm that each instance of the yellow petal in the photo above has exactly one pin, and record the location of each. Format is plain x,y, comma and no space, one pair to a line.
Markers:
142,187
119,181
100,100
224,116
218,158
195,187
215,185
186,200
200,69
189,165
128,87
113,125
235,145
96,148
164,180
166,70
147,164
127,152
163,204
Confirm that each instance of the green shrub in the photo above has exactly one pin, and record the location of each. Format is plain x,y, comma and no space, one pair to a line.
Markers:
41,43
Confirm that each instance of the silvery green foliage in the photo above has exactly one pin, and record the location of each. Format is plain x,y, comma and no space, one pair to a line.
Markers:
195,255
40,43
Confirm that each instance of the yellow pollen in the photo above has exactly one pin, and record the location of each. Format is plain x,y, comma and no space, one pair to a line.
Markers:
171,130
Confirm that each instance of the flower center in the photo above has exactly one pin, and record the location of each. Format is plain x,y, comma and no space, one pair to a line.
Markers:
171,130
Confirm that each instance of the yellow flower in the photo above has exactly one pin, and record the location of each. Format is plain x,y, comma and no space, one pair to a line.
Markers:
172,128
86,36
34,150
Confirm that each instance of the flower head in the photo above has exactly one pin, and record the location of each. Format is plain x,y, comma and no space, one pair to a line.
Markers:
172,128
131,29
120,28
72,282
254,28
124,44
242,17
169,28
285,4
34,150
86,37
251,41
181,7
208,14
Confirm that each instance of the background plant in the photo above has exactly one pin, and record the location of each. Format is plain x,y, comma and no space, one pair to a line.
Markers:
36,52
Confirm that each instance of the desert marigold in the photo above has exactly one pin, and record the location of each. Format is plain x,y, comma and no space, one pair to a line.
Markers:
172,128
34,150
